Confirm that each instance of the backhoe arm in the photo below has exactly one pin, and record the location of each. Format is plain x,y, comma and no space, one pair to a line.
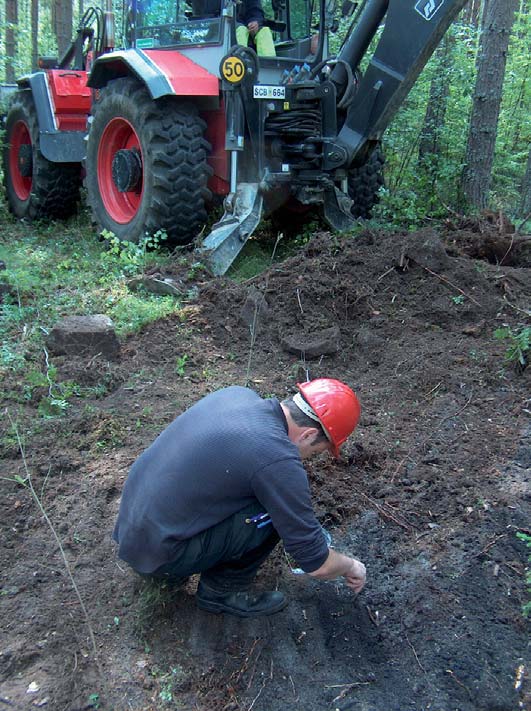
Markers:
411,34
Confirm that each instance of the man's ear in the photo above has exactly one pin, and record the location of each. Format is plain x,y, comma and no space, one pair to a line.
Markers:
308,435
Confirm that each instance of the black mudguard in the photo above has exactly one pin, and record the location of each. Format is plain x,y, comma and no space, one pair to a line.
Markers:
56,146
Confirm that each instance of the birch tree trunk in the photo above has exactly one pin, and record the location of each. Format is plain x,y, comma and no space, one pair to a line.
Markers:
497,22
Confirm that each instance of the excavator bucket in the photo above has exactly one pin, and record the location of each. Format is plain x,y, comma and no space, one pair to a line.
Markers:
243,212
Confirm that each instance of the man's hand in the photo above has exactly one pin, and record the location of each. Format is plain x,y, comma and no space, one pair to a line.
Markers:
253,27
337,565
356,576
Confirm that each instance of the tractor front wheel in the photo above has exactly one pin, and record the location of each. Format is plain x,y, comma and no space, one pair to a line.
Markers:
146,165
364,183
35,187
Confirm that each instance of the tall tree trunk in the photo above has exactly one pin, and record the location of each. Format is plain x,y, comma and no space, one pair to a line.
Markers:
11,40
437,101
62,23
525,208
498,20
34,34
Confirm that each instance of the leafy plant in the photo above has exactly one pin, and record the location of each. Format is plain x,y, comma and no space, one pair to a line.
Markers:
168,682
195,269
180,363
133,256
519,344
94,701
526,608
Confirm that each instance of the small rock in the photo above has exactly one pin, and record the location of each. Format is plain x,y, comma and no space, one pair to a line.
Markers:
474,329
255,311
32,688
370,345
156,285
313,345
84,336
427,250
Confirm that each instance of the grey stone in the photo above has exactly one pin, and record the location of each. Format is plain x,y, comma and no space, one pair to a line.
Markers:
427,250
313,345
84,336
255,311
156,285
369,345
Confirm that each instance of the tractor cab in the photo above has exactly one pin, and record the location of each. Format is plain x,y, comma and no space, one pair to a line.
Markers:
180,24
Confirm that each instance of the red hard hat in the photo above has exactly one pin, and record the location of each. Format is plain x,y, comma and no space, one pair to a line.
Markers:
336,406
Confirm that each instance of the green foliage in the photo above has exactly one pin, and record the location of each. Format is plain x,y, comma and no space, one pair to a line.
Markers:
430,188
519,344
255,259
526,608
133,257
168,683
93,701
180,363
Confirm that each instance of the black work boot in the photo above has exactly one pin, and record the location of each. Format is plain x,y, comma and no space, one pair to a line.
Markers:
240,603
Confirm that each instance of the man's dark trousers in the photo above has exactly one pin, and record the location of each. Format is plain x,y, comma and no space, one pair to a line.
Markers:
227,555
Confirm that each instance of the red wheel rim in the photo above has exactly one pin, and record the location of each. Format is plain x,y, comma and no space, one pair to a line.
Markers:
19,137
118,135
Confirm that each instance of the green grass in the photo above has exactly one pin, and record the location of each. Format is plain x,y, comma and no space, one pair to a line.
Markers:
62,269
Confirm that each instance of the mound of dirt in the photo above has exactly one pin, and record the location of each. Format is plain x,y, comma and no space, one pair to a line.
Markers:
430,493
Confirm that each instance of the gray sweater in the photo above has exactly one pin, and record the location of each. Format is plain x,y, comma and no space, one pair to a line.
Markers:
228,450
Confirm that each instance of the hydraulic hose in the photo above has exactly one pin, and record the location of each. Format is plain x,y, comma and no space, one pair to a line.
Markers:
355,47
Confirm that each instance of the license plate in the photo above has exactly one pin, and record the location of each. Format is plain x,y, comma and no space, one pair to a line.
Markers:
261,91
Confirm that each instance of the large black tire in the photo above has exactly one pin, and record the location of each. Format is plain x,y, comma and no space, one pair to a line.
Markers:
168,188
35,187
364,182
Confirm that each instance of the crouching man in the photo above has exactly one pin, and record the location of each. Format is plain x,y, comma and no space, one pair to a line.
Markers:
224,482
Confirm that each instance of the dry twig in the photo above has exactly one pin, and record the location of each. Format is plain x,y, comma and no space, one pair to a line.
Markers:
346,688
299,300
404,523
489,545
256,697
449,671
414,652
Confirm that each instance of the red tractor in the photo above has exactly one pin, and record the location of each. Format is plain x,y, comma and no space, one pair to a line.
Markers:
183,114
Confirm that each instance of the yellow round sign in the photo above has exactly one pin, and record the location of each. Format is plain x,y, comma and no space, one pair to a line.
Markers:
232,69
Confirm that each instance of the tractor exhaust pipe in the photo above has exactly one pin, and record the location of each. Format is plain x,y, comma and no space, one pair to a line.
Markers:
109,29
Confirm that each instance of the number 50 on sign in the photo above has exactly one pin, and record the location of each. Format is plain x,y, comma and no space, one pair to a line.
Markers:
232,69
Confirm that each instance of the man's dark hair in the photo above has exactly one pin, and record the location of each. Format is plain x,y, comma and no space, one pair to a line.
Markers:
299,418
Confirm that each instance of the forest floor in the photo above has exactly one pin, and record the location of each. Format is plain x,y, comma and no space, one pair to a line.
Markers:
430,493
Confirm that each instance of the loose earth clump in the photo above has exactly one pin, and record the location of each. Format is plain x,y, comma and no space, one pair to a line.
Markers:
430,493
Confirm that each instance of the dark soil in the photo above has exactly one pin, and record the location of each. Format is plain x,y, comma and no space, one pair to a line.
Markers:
430,493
